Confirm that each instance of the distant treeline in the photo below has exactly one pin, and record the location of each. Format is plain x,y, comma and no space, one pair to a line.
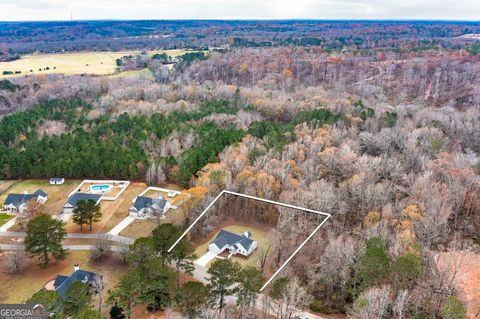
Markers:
27,37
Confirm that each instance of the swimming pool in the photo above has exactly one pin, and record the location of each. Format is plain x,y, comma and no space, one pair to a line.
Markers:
100,188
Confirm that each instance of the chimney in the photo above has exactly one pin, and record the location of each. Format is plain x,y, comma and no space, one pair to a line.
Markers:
76,267
247,234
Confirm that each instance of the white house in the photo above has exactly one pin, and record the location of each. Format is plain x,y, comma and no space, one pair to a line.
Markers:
18,202
56,181
144,207
75,198
236,244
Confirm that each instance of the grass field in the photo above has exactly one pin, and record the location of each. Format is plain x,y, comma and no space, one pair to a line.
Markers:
17,288
263,239
57,194
4,218
5,184
94,63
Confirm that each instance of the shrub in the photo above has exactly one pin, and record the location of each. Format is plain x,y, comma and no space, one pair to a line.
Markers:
452,308
374,266
407,269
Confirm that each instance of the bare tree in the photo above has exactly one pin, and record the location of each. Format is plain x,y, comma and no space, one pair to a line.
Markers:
373,303
294,296
263,255
156,210
98,287
100,248
400,304
123,250
16,259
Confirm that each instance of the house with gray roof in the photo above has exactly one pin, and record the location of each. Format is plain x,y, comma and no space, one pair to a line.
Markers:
236,244
63,283
144,207
75,198
18,202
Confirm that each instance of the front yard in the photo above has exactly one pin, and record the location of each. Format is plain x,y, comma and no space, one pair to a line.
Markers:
57,194
4,218
19,287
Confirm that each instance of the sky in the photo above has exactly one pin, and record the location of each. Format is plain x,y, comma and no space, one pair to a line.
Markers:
16,10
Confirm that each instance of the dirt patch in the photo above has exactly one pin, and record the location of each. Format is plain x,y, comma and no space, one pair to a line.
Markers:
466,267
51,128
140,312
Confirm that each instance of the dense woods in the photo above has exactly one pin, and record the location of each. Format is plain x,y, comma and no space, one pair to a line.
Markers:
60,36
386,140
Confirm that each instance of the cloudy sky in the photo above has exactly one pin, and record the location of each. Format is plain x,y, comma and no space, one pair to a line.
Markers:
12,10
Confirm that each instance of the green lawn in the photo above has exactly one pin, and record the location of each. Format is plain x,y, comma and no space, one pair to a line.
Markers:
263,239
4,218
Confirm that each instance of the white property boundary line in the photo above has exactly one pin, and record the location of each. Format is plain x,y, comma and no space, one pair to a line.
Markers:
157,189
107,181
327,216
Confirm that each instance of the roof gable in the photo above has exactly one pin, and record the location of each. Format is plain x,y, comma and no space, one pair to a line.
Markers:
40,192
75,198
226,238
18,199
66,282
142,202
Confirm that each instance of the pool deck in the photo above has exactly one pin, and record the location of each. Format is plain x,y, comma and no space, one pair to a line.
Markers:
114,183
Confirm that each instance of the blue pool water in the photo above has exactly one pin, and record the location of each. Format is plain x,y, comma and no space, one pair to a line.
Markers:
100,187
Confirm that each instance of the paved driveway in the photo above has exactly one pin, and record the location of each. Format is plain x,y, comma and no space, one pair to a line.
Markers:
121,226
8,224
205,259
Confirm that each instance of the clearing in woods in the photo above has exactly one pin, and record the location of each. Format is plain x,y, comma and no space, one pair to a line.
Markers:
93,63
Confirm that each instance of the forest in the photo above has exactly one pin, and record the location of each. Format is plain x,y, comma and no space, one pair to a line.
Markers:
18,38
386,140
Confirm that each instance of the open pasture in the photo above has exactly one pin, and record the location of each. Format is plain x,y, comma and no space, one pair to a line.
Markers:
91,63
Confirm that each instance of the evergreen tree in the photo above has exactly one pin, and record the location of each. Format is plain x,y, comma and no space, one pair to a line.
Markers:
164,236
192,297
116,312
45,236
78,298
49,299
223,274
249,283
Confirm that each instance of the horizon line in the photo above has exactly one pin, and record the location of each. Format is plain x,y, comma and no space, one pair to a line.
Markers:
253,19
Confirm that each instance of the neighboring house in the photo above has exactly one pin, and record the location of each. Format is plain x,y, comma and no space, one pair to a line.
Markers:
236,244
56,181
144,207
62,283
75,198
18,202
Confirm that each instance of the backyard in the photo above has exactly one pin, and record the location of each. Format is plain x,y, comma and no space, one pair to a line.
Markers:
113,212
